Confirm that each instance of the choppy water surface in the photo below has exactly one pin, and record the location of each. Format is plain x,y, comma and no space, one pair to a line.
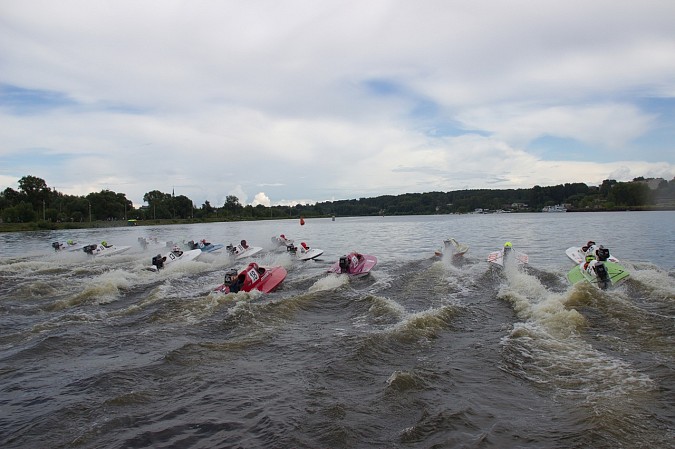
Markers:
424,352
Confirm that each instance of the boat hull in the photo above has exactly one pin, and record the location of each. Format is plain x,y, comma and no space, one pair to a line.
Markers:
358,265
497,258
266,282
616,274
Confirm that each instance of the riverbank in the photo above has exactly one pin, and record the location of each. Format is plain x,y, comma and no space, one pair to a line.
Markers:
48,225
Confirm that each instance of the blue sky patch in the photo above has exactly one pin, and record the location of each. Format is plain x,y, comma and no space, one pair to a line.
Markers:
553,148
35,158
31,101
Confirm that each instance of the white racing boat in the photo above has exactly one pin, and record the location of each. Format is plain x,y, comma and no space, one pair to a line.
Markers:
507,255
68,246
578,253
452,248
151,243
104,249
304,252
174,256
281,243
243,250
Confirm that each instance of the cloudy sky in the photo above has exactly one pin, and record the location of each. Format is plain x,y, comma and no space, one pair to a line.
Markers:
284,101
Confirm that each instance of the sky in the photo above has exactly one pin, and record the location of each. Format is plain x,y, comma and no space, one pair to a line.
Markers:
299,101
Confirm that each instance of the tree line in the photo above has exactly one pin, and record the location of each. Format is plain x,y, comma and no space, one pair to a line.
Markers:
35,201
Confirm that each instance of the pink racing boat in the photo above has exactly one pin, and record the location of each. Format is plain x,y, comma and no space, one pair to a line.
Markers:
354,264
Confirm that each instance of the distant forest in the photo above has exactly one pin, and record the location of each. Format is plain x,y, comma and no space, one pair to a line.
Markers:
38,203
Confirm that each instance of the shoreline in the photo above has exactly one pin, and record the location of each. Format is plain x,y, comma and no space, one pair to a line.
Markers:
49,226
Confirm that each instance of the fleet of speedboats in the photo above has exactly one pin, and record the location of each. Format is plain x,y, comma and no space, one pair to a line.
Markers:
593,263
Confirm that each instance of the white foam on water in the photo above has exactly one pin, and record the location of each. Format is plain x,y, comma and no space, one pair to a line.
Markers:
548,346
329,282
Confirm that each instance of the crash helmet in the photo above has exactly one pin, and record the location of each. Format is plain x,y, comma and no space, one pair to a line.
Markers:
70,242
104,243
230,275
507,245
589,258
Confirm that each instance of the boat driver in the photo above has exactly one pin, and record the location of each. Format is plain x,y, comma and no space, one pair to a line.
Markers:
590,264
237,283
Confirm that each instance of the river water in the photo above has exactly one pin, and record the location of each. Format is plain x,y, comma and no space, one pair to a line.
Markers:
423,353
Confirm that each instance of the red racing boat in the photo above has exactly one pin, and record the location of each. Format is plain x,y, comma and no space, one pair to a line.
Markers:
253,277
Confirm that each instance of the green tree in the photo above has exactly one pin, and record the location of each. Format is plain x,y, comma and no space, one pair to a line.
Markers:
182,206
36,191
232,205
21,213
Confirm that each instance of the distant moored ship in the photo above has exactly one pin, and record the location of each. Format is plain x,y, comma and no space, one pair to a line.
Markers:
556,208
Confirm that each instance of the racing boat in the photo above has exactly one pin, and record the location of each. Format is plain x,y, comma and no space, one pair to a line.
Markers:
104,249
602,274
354,264
507,255
68,246
304,252
594,264
174,256
281,242
204,246
452,248
578,253
243,250
151,242
253,277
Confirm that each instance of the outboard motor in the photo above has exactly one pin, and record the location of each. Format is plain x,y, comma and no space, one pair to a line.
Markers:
603,276
291,248
56,246
602,254
89,249
230,248
230,276
158,261
344,264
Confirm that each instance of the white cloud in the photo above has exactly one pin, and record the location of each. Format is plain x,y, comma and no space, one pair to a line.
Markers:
310,101
604,125
261,199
